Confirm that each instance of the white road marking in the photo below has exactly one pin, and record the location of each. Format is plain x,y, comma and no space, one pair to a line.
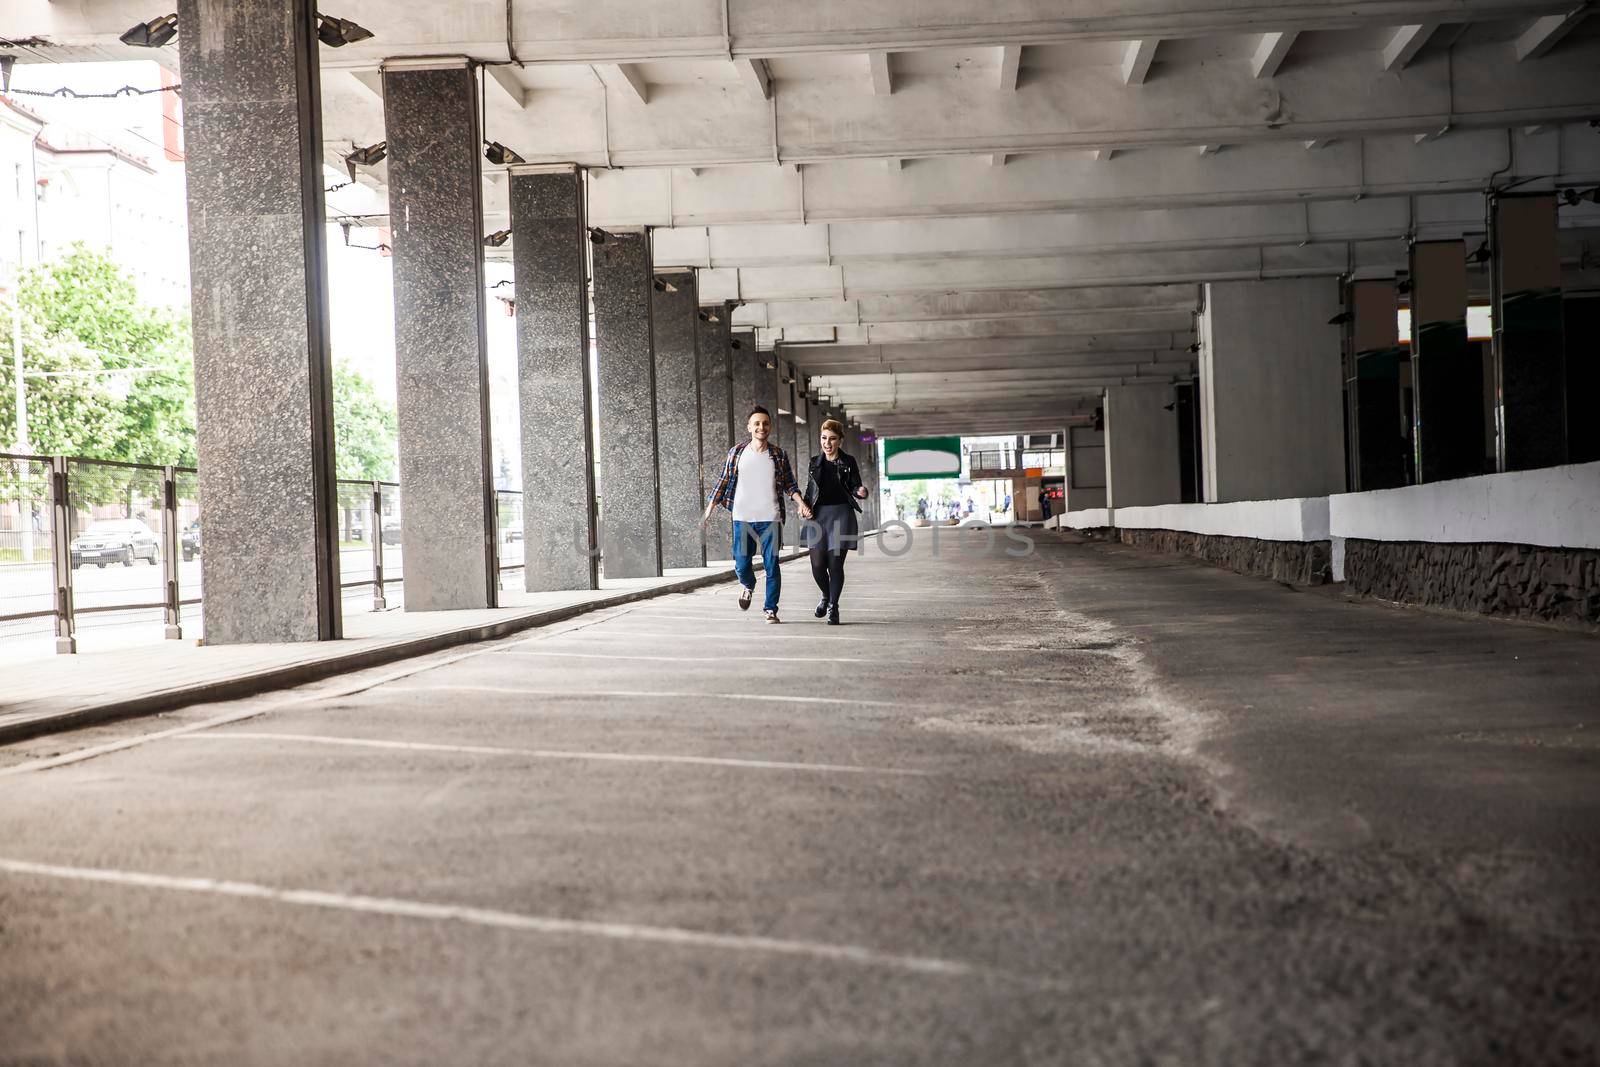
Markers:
762,634
553,754
508,920
720,615
731,660
631,693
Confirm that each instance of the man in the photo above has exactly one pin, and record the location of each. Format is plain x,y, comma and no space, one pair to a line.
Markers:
756,477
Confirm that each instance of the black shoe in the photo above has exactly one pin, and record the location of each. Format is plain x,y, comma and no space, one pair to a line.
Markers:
833,615
744,597
822,608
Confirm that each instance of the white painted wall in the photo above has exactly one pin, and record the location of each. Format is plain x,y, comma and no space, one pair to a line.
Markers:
1088,518
1270,390
1554,506
1142,446
1291,519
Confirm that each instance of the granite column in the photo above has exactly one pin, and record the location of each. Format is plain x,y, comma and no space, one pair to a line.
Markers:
716,419
262,364
678,420
549,253
447,535
630,502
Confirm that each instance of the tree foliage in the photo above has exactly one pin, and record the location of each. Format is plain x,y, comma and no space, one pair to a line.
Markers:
107,376
365,427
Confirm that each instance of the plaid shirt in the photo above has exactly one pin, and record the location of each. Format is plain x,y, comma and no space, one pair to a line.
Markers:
782,477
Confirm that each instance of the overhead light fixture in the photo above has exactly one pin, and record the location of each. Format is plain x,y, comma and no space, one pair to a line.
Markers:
500,155
708,316
497,238
662,286
1170,407
369,156
1195,347
152,34
1574,197
1340,319
336,33
597,236
736,343
1480,254
1403,285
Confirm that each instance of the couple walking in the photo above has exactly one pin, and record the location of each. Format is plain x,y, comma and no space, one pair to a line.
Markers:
756,477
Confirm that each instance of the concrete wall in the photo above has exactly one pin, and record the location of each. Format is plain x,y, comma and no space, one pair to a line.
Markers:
1270,390
1290,519
1142,446
1557,507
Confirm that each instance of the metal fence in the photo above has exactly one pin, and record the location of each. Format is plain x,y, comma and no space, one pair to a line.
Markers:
87,543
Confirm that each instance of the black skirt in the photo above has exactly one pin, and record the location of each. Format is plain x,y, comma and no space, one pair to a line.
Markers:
832,525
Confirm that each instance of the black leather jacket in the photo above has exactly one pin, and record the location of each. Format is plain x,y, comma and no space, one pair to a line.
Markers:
852,479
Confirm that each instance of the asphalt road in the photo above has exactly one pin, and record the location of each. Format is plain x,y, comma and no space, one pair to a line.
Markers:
1084,807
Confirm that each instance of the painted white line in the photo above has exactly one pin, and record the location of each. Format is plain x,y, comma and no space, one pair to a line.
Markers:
730,660
554,754
754,634
635,693
508,920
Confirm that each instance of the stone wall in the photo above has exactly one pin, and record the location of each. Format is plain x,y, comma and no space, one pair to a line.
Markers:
1298,562
1526,581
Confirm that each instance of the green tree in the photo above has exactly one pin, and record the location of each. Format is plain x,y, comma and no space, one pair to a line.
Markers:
365,428
108,377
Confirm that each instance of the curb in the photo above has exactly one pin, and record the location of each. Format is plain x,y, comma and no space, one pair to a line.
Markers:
294,674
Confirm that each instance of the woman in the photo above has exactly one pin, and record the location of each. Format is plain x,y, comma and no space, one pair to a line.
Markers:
833,487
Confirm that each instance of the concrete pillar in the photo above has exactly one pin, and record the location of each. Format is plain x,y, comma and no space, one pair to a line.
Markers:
1374,394
1142,462
430,110
630,511
1271,396
1446,371
549,253
1529,341
263,373
805,436
789,441
716,419
747,391
678,420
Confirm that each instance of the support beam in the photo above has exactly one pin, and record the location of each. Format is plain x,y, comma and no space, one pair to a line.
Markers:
1208,149
560,544
1103,155
1545,33
878,70
1271,50
436,211
677,380
630,514
756,77
630,77
264,402
1010,63
504,79
1136,60
1406,43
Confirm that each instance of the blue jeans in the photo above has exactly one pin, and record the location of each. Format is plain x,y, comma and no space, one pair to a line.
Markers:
747,536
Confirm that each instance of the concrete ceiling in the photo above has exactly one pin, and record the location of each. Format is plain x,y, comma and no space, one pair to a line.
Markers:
971,218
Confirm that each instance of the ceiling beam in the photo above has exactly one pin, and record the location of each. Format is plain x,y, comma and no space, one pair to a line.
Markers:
631,78
1136,60
1010,63
505,80
1545,33
756,77
1271,50
1406,43
878,70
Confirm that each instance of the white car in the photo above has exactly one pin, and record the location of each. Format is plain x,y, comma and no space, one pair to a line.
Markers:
115,541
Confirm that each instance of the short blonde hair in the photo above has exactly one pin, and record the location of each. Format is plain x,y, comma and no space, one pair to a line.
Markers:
832,424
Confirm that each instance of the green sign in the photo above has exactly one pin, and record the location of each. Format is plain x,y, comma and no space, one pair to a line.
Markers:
908,458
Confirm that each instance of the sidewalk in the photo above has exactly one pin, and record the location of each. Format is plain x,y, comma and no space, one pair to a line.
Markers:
66,692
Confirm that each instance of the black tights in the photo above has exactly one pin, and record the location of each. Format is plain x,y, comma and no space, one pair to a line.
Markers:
828,570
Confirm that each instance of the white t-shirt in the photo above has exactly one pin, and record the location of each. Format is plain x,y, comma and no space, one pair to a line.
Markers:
755,496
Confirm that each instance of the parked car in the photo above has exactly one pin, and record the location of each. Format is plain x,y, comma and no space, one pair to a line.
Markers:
115,541
191,541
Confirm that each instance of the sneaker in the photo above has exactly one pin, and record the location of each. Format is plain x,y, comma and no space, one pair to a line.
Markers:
822,608
744,597
833,615
772,616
